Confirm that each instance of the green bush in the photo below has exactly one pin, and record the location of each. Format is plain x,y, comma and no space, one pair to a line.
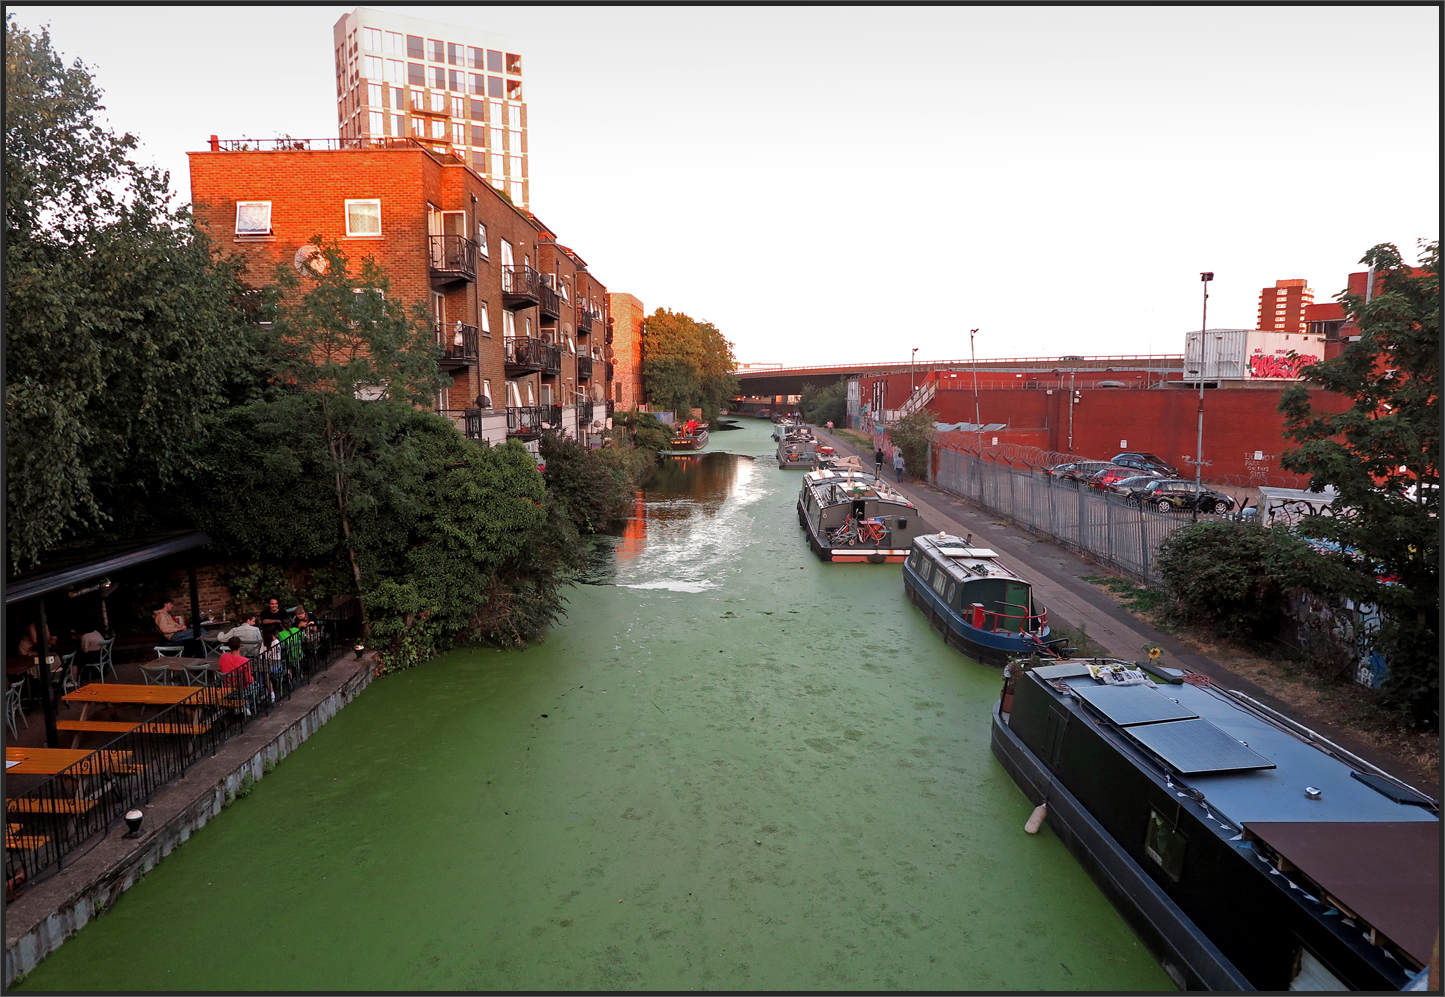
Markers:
593,486
912,434
642,430
825,404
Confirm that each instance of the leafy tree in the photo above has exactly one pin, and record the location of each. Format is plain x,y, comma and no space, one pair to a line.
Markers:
121,326
1382,456
643,431
687,364
912,434
592,485
825,404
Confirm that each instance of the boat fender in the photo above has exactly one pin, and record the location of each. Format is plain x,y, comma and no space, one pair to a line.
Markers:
877,558
1036,819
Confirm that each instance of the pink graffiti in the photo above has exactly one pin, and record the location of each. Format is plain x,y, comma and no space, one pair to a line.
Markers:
1261,365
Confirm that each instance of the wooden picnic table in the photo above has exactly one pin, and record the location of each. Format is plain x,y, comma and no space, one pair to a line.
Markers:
119,694
179,664
51,761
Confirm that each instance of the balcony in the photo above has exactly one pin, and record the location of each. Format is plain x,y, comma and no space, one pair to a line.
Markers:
609,331
524,355
521,288
528,422
467,420
610,369
549,303
459,345
452,257
584,368
584,321
551,360
585,409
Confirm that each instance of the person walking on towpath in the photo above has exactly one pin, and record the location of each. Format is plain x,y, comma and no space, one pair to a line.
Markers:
878,463
898,463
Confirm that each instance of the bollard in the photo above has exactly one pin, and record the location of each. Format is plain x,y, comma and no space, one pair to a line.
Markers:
1036,819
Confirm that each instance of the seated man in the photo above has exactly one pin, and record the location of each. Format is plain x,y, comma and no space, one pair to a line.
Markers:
235,668
30,641
246,631
168,626
273,613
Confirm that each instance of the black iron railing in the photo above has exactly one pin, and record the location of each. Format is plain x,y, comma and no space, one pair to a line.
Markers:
610,369
608,337
548,301
468,421
458,342
585,408
521,287
524,352
526,420
452,256
551,359
584,319
584,368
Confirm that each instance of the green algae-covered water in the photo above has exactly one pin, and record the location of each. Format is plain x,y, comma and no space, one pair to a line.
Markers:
731,767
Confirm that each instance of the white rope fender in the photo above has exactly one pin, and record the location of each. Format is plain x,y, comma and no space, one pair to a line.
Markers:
1036,819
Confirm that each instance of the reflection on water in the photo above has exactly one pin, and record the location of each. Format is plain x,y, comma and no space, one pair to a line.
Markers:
689,525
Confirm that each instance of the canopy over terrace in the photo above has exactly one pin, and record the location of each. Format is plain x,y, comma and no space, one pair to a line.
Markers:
64,570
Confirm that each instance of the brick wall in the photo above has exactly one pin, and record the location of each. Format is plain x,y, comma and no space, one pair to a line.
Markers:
627,316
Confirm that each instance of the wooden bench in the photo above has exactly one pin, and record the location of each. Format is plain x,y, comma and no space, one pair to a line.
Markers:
17,840
26,805
126,726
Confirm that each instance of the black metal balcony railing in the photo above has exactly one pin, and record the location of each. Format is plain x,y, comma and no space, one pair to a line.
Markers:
609,408
609,331
453,257
521,287
524,354
584,368
548,301
584,320
610,369
529,421
552,359
467,420
458,342
585,409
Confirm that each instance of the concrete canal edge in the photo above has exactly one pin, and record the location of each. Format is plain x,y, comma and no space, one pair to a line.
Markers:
40,920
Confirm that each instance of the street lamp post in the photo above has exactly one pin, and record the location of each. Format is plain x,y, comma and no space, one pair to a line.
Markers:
911,358
1204,278
977,422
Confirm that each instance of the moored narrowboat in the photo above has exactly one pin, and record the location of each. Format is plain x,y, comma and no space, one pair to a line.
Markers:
1246,851
980,607
691,435
851,516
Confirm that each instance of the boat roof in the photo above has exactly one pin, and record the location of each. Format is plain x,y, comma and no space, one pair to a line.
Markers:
963,560
872,487
1270,782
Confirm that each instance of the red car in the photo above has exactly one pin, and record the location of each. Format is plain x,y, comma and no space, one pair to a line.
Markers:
1106,478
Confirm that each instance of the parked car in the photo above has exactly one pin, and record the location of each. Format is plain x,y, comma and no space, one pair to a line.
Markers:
1079,470
1144,461
1126,486
1170,494
1106,478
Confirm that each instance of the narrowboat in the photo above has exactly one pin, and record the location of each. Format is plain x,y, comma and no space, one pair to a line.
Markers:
798,453
1246,851
980,607
691,435
851,516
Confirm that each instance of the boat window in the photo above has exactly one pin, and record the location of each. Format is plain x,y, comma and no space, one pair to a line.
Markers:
940,579
1311,975
1164,843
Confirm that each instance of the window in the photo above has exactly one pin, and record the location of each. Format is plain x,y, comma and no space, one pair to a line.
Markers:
376,95
371,39
414,49
454,81
514,90
373,68
514,64
416,74
498,113
487,392
398,124
456,54
253,217
509,324
479,135
482,240
516,142
476,58
1164,843
527,325
395,71
363,217
395,43
517,196
438,102
458,110
496,169
436,51
531,394
517,167
514,396
418,100
438,128
494,86
376,122
483,322
418,128
479,110
494,61
496,142
438,77
478,85
398,98
459,134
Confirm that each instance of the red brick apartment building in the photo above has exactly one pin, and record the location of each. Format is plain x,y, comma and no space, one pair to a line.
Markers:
509,332
1282,307
625,334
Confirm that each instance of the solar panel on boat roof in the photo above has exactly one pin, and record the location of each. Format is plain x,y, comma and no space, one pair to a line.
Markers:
1066,671
1192,747
1132,704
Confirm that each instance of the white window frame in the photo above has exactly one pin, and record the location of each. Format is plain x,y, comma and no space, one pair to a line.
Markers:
370,35
487,391
482,247
358,201
484,322
253,232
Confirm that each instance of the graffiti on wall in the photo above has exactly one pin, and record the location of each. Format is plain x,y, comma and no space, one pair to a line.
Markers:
1280,364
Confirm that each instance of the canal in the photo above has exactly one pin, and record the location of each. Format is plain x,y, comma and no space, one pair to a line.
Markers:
730,767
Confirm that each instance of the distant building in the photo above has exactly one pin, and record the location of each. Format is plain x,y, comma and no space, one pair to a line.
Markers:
457,89
624,333
1282,307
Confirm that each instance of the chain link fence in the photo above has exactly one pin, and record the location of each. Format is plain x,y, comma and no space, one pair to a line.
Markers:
1104,525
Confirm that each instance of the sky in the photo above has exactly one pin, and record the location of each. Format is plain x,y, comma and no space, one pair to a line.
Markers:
846,184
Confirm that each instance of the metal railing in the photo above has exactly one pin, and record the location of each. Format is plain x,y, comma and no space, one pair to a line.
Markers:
584,368
584,320
551,359
521,286
1105,525
458,341
525,351
468,421
453,256
608,337
55,817
610,369
585,408
531,420
548,301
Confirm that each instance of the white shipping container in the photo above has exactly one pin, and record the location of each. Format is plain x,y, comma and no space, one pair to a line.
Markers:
1237,354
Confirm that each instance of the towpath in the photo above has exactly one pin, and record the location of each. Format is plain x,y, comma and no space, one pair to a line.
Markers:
1058,577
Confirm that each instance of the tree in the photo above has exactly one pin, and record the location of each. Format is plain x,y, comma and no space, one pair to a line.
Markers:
1382,456
825,404
122,330
687,364
912,435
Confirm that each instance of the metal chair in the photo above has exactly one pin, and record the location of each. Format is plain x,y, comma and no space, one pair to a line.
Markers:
212,648
64,676
199,675
156,674
14,694
170,651
104,659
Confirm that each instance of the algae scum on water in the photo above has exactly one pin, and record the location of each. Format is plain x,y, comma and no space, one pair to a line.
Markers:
731,767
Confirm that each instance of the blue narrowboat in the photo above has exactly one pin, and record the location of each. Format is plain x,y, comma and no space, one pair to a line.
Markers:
980,607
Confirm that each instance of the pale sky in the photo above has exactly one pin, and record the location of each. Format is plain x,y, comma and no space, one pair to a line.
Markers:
845,184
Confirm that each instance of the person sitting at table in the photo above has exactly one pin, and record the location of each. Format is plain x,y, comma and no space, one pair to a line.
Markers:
91,642
235,667
273,613
168,626
247,630
270,656
304,620
30,640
